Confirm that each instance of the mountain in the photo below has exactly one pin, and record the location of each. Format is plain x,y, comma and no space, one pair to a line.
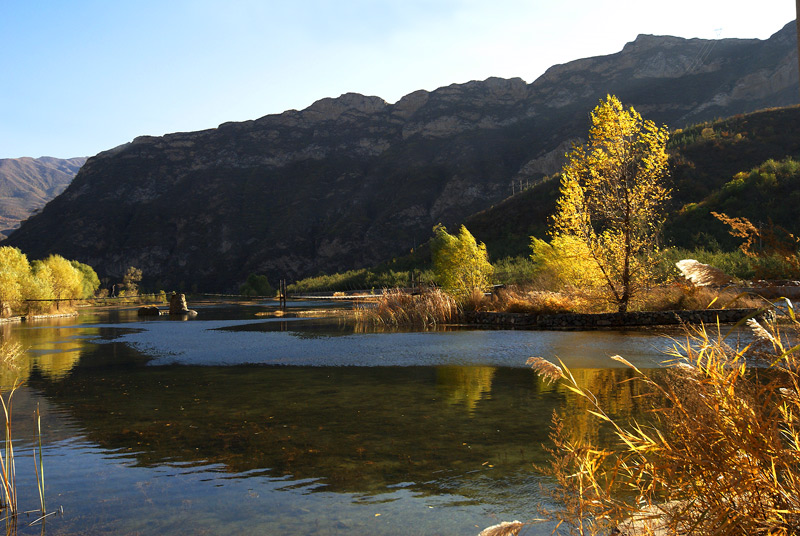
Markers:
352,181
27,184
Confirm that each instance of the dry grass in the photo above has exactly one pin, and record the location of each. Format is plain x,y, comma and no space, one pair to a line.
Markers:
515,300
10,352
681,296
397,308
674,297
718,455
477,300
667,298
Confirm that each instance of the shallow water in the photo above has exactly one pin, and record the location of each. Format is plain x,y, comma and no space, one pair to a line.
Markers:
235,424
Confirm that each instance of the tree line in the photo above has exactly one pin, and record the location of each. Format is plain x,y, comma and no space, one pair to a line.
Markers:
33,286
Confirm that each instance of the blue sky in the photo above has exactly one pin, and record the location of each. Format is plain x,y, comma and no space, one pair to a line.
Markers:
81,76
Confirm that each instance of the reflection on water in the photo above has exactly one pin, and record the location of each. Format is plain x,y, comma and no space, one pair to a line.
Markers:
52,348
465,385
147,431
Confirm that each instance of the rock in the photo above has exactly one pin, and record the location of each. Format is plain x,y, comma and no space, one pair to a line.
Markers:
703,275
149,310
177,305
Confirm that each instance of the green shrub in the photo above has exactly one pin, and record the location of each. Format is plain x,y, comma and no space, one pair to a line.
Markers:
256,285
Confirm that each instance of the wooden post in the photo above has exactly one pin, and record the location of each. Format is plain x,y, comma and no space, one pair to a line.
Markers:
282,291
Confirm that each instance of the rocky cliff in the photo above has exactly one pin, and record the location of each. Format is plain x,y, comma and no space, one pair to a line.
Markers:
27,184
354,180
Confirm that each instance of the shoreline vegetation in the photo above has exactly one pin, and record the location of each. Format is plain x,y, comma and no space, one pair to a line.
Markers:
717,453
56,286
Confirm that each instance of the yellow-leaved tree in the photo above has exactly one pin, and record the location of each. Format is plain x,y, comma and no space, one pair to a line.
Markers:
14,275
612,197
461,264
66,281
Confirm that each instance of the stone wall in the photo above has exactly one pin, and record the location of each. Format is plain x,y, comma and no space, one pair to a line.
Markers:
605,320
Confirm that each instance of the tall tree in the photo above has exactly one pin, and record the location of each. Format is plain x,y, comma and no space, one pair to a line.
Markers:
65,279
460,263
612,196
89,280
131,280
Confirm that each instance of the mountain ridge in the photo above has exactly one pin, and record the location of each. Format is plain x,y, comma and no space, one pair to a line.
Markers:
353,180
27,184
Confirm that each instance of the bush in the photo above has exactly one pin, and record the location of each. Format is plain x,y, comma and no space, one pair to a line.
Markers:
256,285
361,279
514,271
461,264
564,263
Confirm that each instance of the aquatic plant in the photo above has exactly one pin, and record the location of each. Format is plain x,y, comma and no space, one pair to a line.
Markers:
38,461
7,466
10,352
718,452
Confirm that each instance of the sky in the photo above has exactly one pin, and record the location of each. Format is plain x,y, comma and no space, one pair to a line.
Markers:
81,76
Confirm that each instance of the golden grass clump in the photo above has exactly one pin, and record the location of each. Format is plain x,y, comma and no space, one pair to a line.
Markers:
689,297
513,300
717,453
476,300
398,308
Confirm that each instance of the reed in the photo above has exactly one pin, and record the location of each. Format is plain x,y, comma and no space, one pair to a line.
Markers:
10,351
7,466
38,461
9,354
430,307
718,452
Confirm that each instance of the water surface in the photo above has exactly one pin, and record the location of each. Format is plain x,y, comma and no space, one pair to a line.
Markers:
231,423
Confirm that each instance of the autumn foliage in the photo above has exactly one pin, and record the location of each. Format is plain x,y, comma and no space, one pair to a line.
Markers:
460,264
54,278
612,196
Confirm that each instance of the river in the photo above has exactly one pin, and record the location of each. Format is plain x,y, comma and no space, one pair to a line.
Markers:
232,423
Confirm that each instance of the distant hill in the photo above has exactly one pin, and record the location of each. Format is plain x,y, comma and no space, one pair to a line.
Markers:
353,181
704,162
27,184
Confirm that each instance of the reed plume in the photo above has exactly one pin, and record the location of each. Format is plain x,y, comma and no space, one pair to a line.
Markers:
718,453
549,371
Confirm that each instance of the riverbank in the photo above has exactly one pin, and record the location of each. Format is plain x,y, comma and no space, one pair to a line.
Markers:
29,318
592,321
